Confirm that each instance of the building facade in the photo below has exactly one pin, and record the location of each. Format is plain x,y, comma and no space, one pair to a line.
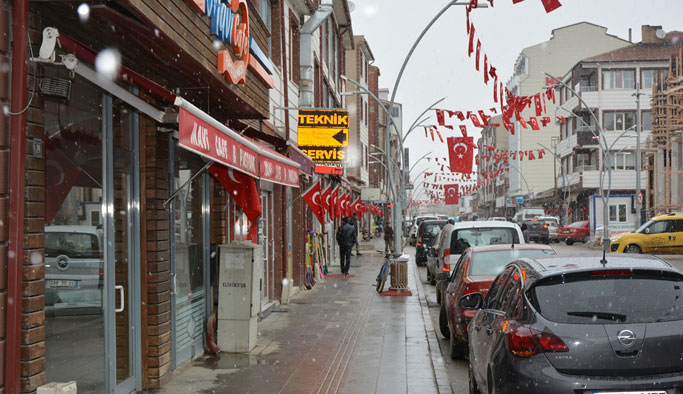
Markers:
614,86
566,46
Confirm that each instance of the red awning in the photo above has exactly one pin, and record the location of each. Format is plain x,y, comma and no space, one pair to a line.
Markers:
204,135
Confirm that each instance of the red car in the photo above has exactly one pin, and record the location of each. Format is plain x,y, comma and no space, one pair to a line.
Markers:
470,281
577,231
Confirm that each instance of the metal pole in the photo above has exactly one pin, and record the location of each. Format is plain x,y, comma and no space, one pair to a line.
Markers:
638,164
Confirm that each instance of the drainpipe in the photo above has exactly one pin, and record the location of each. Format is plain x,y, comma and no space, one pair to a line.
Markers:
15,258
285,87
306,86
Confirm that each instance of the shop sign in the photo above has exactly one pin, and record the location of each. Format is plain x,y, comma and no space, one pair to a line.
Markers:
277,172
324,135
230,24
519,200
198,136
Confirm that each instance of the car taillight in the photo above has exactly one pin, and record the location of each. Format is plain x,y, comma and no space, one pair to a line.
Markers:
419,243
612,273
446,263
545,226
526,342
101,272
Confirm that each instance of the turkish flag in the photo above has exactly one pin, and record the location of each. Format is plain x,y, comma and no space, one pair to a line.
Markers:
314,201
452,196
356,207
461,154
326,197
551,5
241,188
341,205
334,199
534,123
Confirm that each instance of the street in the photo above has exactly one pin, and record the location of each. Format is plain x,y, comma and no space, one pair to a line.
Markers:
457,369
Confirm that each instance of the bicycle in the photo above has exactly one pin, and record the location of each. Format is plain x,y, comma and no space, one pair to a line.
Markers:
383,274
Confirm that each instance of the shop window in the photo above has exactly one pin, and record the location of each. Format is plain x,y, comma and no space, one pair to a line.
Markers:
617,213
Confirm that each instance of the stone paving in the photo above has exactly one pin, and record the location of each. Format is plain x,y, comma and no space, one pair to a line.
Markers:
339,337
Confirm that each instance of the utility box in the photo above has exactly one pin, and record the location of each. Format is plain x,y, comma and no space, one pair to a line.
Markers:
241,269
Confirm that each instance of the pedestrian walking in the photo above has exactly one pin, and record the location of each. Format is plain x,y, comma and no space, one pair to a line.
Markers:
355,222
388,239
345,239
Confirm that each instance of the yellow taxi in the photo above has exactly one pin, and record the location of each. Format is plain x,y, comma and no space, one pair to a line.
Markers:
663,234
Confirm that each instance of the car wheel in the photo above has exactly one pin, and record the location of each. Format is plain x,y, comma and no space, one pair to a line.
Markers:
633,249
429,275
474,389
432,281
569,242
457,350
438,295
443,323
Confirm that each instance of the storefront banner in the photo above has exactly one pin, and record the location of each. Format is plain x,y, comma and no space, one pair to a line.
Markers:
200,137
276,171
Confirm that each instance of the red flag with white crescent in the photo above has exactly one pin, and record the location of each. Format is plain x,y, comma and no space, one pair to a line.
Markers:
241,188
326,197
313,198
461,154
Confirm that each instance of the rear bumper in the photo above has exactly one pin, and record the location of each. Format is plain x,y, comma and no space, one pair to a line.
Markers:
536,375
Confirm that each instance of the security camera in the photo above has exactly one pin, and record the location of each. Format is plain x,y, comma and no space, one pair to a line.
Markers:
47,48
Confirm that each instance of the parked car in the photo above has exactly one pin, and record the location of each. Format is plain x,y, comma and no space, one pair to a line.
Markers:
530,230
577,231
433,266
544,231
527,213
74,264
662,234
426,233
469,283
463,235
412,235
575,324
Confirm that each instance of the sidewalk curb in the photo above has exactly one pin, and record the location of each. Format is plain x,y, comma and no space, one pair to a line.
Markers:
438,366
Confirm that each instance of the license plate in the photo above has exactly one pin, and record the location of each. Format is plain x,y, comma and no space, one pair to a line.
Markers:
68,284
629,392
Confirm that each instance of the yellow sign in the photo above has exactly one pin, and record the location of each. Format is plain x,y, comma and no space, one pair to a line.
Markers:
324,135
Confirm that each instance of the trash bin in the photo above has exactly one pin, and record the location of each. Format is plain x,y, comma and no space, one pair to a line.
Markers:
399,273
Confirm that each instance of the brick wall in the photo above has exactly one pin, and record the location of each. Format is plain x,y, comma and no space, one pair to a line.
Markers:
33,294
155,264
4,184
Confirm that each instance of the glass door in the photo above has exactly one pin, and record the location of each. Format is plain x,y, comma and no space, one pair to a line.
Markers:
264,237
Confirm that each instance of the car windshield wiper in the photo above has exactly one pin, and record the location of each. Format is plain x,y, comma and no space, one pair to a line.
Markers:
600,315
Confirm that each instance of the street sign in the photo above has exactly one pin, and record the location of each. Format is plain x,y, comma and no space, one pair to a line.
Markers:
370,194
508,201
640,198
519,200
324,135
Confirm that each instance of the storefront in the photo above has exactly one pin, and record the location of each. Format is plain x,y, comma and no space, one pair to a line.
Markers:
122,217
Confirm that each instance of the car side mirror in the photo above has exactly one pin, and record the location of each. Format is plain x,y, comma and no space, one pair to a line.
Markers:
647,231
471,301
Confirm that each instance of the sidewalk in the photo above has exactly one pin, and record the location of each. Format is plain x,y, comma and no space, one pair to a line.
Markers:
339,337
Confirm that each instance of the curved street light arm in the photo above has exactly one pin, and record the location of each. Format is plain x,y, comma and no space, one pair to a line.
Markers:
412,126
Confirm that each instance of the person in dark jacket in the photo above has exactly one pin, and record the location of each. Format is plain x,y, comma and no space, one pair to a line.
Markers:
355,222
388,239
345,238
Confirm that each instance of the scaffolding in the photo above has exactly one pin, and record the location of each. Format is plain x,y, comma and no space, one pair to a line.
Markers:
665,194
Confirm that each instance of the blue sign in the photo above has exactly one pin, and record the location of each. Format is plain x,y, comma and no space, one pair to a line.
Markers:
519,200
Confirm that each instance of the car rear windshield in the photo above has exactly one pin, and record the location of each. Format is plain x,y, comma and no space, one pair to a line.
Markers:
577,225
491,263
622,297
432,229
72,245
464,238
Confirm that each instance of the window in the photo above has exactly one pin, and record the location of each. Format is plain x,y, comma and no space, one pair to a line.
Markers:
293,49
649,77
395,111
646,120
583,159
618,79
265,9
619,121
617,213
622,161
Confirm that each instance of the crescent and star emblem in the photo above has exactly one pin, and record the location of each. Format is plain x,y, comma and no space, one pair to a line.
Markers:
316,198
455,149
60,170
451,191
232,176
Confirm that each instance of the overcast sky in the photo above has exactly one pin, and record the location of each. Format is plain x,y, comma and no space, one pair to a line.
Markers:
440,65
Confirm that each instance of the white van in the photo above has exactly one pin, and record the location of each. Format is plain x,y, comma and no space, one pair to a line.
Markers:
528,213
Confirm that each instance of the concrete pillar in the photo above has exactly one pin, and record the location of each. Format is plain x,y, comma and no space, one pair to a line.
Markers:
660,186
675,166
